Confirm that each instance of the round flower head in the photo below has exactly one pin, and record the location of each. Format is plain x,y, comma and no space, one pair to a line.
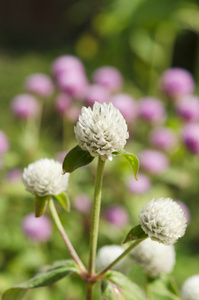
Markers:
163,220
39,84
190,288
176,82
82,203
107,254
25,106
155,258
109,77
37,229
117,215
152,110
163,138
187,108
66,63
154,161
190,136
126,105
140,186
4,143
62,103
102,130
44,177
96,92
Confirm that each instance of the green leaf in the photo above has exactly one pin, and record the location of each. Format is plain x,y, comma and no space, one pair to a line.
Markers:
136,233
133,161
117,286
159,289
48,276
63,200
76,158
40,205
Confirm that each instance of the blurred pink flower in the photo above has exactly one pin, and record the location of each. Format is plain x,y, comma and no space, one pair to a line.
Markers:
153,161
82,203
37,229
109,77
187,107
66,64
62,103
163,138
176,82
4,143
152,110
25,106
126,105
190,136
96,93
140,186
14,175
39,84
117,215
73,113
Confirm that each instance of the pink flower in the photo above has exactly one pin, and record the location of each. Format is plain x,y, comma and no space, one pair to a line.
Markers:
14,175
37,229
153,161
187,107
163,138
117,215
109,77
152,110
141,186
96,93
176,82
4,143
39,84
25,106
62,103
190,136
126,105
82,203
66,64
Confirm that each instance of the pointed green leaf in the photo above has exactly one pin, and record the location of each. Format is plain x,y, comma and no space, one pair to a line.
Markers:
118,286
48,276
136,233
159,289
76,158
133,161
40,205
63,200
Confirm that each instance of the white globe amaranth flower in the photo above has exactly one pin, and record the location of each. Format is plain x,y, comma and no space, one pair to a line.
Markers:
107,254
155,258
190,288
44,177
163,220
101,130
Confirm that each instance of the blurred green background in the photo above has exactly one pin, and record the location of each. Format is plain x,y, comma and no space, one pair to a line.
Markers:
141,38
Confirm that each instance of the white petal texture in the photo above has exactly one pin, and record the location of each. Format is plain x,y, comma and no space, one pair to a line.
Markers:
44,177
101,130
155,258
190,288
163,220
107,254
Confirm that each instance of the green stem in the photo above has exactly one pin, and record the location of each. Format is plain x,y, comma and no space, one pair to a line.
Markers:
95,216
129,249
65,237
89,292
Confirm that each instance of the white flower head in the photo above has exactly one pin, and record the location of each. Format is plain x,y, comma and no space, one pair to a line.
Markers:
155,258
163,220
44,177
190,288
101,130
107,254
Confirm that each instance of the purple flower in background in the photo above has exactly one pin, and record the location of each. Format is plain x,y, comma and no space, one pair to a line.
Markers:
190,136
37,229
176,82
39,84
154,161
66,64
4,143
62,103
117,215
96,93
152,110
187,107
14,175
185,209
126,105
73,113
82,203
109,77
25,106
163,138
140,186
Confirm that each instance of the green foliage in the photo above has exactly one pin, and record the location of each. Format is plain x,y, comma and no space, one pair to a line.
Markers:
40,205
136,233
63,200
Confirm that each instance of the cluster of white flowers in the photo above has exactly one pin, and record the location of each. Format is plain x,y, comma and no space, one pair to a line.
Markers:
44,177
190,288
155,258
163,220
102,130
107,254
